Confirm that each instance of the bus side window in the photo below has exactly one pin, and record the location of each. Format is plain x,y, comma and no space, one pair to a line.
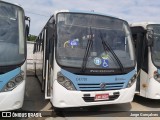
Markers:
145,60
52,48
145,56
42,42
51,39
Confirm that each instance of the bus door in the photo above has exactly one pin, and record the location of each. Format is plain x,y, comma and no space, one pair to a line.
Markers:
49,61
38,57
44,60
138,34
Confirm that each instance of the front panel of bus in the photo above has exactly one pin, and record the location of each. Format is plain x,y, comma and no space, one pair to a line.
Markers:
12,56
154,33
96,57
153,38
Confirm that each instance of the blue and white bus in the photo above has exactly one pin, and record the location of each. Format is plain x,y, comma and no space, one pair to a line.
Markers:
12,56
85,59
146,36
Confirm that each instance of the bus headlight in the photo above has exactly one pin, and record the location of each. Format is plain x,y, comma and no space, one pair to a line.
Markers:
132,81
60,79
18,79
65,82
156,76
13,83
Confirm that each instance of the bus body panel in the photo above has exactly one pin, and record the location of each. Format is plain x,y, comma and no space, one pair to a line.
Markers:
4,78
118,81
13,99
149,86
13,35
153,89
49,68
143,82
62,98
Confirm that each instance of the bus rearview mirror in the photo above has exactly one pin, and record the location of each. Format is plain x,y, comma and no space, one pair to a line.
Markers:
150,37
28,25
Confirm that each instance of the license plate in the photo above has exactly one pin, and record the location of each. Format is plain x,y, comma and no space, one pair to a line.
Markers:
101,97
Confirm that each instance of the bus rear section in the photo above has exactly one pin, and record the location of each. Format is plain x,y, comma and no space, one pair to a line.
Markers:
85,59
147,41
12,56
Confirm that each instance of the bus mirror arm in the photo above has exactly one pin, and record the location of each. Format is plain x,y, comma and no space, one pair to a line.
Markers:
150,37
28,25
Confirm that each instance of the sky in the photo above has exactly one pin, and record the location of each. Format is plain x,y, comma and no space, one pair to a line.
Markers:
130,10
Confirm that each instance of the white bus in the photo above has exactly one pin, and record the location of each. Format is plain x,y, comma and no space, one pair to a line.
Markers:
12,56
85,59
147,42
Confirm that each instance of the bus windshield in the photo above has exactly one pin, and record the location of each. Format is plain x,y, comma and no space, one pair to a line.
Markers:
156,43
12,51
104,41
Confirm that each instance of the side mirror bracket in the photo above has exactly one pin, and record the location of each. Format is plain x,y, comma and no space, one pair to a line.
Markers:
28,25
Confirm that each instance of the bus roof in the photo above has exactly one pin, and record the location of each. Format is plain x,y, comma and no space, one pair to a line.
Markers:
16,4
87,12
141,24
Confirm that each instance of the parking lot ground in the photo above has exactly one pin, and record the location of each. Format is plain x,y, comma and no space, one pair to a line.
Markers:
34,99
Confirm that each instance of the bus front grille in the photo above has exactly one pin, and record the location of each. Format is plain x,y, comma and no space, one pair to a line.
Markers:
97,86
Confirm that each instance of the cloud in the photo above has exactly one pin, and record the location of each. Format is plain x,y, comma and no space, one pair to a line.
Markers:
130,10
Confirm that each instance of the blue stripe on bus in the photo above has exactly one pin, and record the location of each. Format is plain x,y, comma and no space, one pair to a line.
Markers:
4,78
86,82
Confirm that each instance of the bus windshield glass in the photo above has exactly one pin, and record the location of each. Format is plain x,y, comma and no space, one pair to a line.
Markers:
155,28
99,41
12,51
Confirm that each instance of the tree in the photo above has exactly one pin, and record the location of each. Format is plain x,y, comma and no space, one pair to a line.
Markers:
32,38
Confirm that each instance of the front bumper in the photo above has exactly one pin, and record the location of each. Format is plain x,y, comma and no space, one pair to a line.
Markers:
63,98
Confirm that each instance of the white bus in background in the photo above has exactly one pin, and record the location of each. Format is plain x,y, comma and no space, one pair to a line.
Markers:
13,37
85,59
147,43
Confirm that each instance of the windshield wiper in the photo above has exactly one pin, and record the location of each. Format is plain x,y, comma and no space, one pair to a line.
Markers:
87,51
108,47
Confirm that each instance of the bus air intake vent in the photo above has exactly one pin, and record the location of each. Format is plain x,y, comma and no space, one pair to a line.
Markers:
98,87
